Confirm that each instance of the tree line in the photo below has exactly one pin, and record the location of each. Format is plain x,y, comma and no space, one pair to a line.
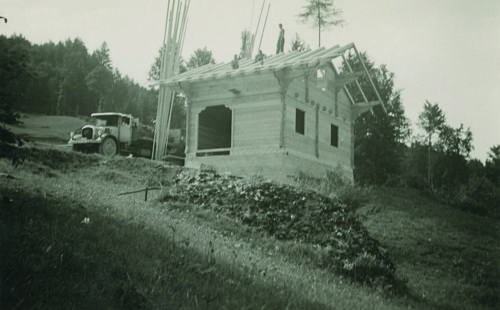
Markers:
438,161
64,78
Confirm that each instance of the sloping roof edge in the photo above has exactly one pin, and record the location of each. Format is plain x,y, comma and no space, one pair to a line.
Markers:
293,60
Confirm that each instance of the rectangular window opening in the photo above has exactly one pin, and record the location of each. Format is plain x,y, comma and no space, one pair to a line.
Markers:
300,119
334,136
214,131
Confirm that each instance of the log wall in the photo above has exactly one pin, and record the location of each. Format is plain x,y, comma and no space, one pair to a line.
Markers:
256,105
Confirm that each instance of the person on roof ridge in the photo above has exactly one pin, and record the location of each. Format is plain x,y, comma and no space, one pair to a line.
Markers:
235,62
260,57
281,40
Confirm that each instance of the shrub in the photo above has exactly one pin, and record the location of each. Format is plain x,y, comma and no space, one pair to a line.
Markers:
336,186
477,196
289,213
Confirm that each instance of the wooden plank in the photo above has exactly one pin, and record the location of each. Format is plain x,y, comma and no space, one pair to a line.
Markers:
362,107
264,27
347,78
357,83
276,59
256,29
369,77
316,134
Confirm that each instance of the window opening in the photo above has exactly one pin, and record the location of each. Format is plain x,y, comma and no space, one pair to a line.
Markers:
300,119
321,81
107,120
334,136
214,131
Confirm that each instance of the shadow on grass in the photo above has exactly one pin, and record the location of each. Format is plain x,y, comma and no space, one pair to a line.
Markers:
54,255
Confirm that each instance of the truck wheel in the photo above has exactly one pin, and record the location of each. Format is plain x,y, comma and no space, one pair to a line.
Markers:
108,147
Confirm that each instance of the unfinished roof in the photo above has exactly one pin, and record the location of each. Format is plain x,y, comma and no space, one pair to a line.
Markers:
293,60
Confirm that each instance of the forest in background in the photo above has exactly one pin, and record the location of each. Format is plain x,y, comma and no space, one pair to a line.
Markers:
64,78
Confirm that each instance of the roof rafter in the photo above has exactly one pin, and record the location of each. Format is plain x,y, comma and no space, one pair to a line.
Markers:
347,78
362,107
296,63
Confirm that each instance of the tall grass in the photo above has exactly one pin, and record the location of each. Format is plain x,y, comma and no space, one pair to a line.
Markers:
132,254
68,242
53,259
336,185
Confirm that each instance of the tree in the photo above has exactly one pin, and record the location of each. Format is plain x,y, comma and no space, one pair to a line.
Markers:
121,97
323,15
154,71
199,58
378,136
62,78
73,93
246,45
102,56
431,120
15,74
492,165
101,80
452,150
455,141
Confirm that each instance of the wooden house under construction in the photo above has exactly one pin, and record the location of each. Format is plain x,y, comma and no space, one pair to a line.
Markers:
286,115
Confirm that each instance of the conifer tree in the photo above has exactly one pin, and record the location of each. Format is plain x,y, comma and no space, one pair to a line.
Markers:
323,15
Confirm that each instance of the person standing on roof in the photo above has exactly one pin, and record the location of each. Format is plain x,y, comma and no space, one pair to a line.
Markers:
281,40
235,63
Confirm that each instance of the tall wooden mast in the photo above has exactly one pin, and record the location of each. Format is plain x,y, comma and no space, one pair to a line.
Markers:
173,40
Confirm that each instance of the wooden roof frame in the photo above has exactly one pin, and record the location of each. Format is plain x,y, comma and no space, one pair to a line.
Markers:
293,61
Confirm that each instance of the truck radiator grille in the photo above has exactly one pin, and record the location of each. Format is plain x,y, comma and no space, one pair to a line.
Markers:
87,133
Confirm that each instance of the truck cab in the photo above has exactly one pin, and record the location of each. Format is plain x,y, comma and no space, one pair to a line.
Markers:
111,133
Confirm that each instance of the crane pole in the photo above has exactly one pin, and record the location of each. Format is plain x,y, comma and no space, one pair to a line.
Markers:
264,27
173,40
256,28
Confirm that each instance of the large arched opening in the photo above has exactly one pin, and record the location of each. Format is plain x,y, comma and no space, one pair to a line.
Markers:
214,131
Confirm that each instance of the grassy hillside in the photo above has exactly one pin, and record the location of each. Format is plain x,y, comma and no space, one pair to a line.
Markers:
50,128
69,241
449,257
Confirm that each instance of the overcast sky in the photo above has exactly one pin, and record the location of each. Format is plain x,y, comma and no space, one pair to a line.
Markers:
446,51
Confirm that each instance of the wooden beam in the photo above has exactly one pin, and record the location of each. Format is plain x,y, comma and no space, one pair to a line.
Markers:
361,107
357,83
256,29
316,132
347,78
264,27
284,81
141,190
369,78
175,26
349,95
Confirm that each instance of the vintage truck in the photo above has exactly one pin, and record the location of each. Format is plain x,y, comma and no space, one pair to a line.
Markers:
111,133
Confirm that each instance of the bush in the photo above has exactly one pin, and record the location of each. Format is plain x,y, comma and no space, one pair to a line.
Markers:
336,186
288,213
477,196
